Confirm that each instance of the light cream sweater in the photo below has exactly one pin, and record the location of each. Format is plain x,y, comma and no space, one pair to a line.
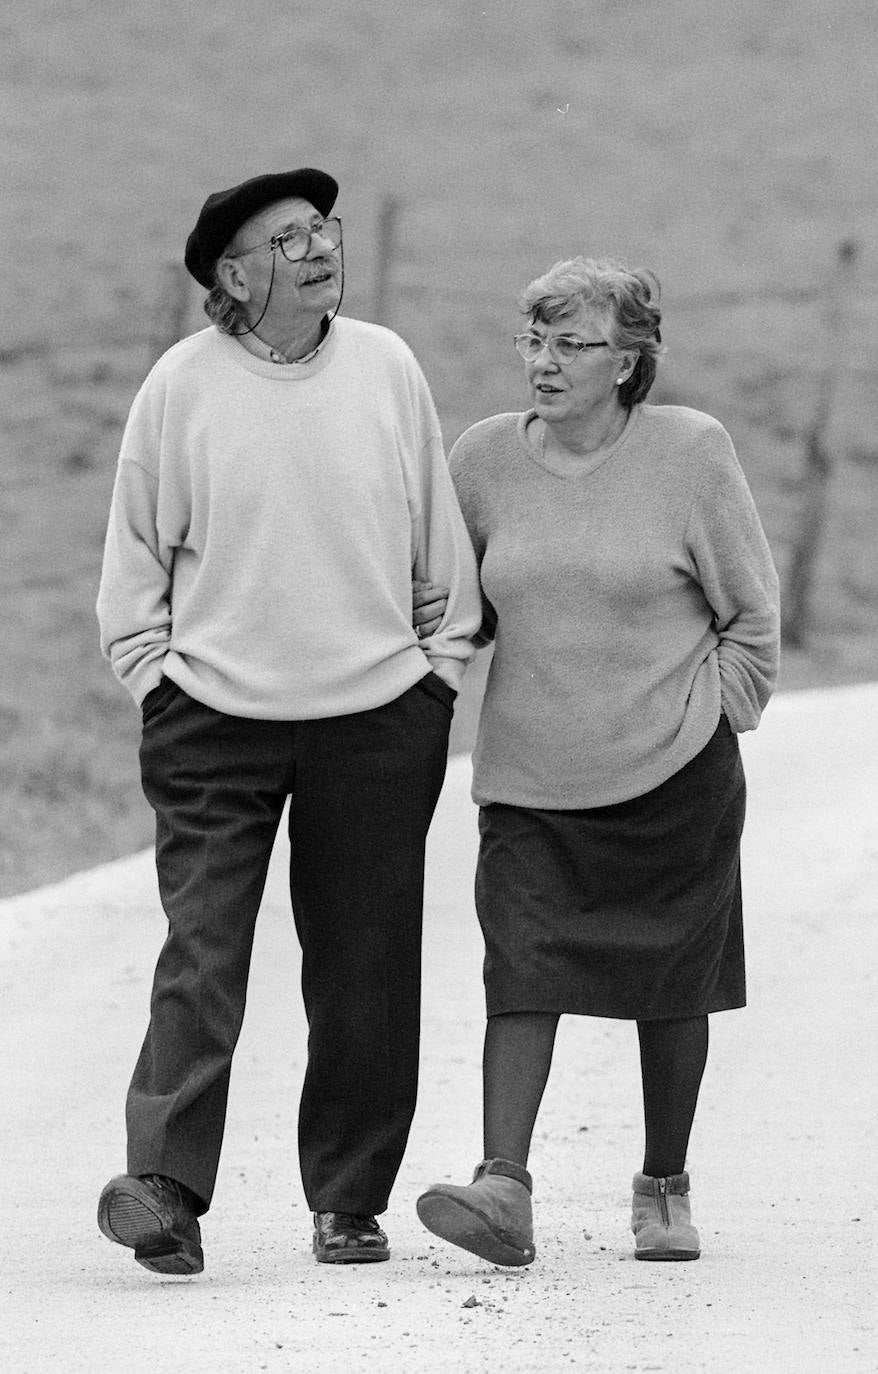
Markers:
632,603
266,524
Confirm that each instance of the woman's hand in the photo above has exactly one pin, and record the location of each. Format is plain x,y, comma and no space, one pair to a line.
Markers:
428,607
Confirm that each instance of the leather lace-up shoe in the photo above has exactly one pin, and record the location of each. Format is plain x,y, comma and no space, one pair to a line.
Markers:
348,1238
154,1216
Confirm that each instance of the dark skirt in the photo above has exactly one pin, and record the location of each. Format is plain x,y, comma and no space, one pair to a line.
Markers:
630,911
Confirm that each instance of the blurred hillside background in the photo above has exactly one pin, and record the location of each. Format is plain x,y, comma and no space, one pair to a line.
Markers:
731,148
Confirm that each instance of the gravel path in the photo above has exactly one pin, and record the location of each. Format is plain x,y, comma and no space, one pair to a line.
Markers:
781,1191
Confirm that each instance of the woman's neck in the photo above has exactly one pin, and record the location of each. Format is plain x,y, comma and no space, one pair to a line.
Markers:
583,438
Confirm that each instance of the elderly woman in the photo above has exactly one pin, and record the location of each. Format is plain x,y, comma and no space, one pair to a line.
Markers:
633,603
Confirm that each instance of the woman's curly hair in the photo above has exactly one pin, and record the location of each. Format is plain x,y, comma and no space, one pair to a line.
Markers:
627,299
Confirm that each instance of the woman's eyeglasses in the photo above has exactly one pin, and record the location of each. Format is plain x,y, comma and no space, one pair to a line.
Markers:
563,348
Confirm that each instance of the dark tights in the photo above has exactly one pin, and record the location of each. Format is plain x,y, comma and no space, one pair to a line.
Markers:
517,1059
672,1059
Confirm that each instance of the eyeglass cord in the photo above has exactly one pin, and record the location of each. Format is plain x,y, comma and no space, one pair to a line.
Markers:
239,333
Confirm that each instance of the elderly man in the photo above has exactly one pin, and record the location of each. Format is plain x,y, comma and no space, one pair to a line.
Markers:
281,484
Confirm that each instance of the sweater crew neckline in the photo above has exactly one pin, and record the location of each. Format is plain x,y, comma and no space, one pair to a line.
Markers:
240,356
537,455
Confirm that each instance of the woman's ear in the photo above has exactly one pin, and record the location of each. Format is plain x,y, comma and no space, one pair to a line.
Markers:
233,278
627,364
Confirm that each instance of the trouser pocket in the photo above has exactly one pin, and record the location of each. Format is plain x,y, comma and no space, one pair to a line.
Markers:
155,701
439,689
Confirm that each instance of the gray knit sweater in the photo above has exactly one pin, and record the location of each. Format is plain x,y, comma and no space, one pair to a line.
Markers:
630,604
266,525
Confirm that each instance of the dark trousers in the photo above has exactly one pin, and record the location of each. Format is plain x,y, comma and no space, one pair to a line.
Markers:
362,792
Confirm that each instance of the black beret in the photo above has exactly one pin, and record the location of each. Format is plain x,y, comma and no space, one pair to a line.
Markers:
223,213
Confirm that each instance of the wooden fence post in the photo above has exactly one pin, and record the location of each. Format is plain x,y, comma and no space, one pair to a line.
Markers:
385,255
819,461
172,308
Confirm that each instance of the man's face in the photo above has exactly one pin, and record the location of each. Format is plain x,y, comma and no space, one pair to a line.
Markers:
310,287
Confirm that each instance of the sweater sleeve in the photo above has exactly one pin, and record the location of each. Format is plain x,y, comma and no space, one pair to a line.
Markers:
734,567
443,554
463,475
134,597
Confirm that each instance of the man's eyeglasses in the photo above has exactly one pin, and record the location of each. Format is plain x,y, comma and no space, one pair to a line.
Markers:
563,348
295,243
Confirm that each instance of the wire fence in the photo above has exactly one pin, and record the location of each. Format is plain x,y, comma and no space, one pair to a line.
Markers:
145,335
397,282
175,298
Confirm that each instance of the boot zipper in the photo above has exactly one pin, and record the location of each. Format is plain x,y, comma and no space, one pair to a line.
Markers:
663,1201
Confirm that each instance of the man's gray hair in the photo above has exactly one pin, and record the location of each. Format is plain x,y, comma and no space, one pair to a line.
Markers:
223,310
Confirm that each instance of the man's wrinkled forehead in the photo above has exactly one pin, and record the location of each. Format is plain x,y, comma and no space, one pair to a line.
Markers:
280,215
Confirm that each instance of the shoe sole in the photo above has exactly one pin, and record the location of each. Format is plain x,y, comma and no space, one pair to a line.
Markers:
127,1219
350,1254
463,1225
667,1254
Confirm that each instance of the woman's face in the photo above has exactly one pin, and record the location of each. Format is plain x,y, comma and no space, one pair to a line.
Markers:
584,386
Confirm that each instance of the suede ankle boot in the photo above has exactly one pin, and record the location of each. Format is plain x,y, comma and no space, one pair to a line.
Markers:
661,1220
491,1217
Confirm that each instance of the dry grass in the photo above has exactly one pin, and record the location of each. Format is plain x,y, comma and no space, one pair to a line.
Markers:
729,149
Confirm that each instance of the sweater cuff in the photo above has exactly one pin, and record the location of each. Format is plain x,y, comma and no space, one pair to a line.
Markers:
451,670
